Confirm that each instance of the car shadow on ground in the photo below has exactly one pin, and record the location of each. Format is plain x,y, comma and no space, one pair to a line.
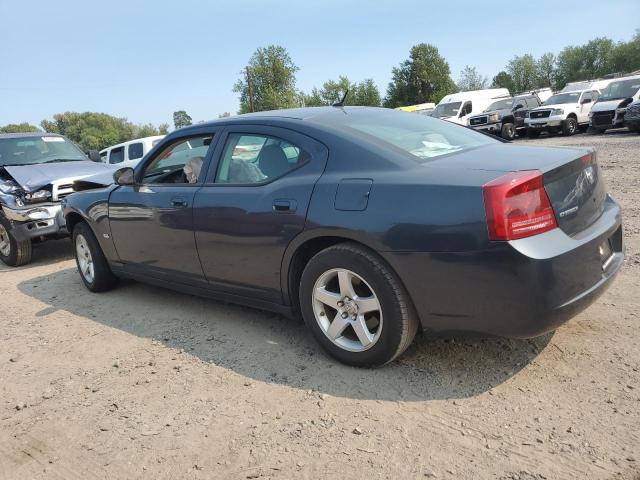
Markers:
45,253
269,348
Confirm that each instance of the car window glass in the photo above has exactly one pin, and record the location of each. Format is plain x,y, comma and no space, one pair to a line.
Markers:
135,151
116,155
104,156
532,102
179,162
250,159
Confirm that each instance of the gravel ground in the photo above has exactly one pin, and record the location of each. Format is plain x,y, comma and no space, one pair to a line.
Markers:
145,383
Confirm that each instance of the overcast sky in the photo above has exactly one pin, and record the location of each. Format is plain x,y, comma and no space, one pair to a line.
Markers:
144,60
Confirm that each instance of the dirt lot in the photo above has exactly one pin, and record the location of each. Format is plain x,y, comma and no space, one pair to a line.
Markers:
145,383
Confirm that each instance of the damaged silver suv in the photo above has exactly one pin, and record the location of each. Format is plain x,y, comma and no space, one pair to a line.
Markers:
37,170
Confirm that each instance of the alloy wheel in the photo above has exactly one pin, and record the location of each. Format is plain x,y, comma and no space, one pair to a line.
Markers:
85,260
5,242
347,310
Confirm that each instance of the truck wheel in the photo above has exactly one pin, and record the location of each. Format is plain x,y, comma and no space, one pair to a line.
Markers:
12,252
508,131
92,264
569,127
531,133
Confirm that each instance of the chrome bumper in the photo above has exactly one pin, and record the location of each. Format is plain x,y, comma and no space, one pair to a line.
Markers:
36,221
35,213
552,121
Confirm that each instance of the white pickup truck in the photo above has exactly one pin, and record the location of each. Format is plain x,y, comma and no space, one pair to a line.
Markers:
564,112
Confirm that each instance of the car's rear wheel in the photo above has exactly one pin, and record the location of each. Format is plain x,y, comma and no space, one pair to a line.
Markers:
356,307
508,131
569,126
92,264
12,251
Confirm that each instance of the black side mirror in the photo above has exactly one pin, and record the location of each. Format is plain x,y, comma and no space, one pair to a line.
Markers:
124,176
519,106
94,155
585,100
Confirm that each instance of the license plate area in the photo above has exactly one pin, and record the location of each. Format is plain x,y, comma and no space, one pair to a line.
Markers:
606,253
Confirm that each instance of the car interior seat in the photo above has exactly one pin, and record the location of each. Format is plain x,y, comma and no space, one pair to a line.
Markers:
273,161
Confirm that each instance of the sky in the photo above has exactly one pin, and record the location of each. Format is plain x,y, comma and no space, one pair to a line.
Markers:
143,60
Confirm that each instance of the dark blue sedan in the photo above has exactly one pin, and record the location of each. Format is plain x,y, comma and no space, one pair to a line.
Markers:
369,223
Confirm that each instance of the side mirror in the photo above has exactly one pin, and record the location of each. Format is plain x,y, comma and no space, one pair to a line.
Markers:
124,176
585,100
94,155
519,106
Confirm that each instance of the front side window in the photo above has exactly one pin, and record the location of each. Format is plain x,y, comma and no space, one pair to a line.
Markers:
179,162
135,151
251,159
116,155
467,109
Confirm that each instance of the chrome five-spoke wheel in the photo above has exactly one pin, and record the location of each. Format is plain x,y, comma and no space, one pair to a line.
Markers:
347,310
85,260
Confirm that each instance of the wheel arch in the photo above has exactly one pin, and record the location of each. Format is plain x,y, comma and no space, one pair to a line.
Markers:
72,219
573,115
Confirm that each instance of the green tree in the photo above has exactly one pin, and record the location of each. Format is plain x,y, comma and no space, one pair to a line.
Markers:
163,129
546,70
181,119
364,93
591,60
503,80
424,77
626,55
272,76
92,130
19,128
470,79
522,70
224,115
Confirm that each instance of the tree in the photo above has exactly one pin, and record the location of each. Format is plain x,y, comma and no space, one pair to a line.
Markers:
424,77
626,55
163,129
364,93
95,131
224,115
591,60
470,79
181,119
270,81
546,70
19,128
503,80
522,70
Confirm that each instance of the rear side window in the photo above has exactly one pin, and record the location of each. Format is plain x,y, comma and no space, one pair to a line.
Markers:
135,151
249,159
116,155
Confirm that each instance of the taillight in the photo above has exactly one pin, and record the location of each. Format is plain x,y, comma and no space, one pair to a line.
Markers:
517,206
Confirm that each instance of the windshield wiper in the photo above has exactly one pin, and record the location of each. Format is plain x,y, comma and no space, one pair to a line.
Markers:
56,160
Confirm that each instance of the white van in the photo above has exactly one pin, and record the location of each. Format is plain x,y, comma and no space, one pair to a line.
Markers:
128,154
458,107
609,110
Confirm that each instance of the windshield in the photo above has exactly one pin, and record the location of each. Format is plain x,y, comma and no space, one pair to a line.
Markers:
500,105
34,149
421,136
563,98
621,89
446,110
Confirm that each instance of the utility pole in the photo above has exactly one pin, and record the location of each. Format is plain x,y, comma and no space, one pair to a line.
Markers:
251,109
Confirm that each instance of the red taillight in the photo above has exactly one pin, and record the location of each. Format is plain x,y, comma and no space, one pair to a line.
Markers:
517,206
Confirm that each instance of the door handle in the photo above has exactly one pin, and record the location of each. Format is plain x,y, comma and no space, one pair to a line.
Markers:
179,202
284,206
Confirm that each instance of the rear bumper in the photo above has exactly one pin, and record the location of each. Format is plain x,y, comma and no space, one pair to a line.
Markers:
520,289
36,221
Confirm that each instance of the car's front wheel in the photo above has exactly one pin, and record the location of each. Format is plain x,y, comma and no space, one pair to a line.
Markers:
508,131
92,264
356,307
569,126
13,252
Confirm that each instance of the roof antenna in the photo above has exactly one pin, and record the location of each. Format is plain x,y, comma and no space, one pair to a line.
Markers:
341,102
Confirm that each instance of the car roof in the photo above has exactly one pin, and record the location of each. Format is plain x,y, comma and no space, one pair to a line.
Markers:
29,134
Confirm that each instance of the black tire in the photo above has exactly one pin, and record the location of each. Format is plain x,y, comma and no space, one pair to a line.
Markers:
508,131
103,278
19,251
400,322
569,127
531,133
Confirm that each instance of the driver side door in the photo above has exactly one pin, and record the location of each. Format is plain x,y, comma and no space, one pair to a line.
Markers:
152,221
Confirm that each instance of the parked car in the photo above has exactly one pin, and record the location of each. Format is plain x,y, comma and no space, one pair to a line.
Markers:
128,154
561,113
458,107
609,110
505,117
367,222
37,171
632,117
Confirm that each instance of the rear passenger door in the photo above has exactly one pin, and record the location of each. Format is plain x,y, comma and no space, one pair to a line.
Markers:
253,203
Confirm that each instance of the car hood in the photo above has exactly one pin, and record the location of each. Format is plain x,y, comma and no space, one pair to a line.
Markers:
607,105
34,177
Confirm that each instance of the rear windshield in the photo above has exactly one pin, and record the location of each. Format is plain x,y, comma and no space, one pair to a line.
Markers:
421,136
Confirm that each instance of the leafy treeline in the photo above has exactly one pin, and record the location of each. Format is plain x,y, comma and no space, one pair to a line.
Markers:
269,82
